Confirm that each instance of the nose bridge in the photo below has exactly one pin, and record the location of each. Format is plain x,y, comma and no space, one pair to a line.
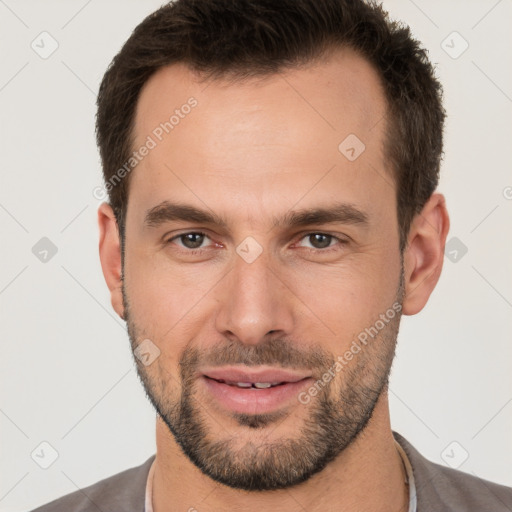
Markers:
253,301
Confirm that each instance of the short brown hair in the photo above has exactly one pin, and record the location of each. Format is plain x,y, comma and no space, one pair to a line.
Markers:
245,38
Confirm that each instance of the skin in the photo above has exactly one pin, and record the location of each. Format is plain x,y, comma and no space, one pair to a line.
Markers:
250,152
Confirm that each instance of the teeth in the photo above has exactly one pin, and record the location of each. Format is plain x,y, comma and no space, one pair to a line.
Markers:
262,385
244,384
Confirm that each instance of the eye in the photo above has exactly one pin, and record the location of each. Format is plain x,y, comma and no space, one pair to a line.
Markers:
321,241
194,240
191,241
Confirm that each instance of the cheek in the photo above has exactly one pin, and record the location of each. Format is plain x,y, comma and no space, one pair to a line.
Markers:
341,301
165,302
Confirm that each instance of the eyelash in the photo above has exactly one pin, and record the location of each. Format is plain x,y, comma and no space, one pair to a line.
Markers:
329,249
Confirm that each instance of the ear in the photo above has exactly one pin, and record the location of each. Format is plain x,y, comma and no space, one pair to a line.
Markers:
110,256
424,254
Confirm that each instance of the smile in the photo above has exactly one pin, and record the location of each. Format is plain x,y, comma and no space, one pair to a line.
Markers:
253,391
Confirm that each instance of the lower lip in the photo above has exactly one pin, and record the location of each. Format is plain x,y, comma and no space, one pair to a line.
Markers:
252,400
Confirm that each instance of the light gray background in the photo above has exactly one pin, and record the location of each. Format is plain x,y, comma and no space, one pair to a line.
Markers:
67,376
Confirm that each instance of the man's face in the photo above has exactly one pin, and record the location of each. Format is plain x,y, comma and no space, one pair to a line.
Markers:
258,298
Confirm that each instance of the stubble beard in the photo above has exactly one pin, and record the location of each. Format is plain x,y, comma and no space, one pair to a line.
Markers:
330,426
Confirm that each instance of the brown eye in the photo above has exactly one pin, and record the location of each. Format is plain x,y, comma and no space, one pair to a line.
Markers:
191,240
319,240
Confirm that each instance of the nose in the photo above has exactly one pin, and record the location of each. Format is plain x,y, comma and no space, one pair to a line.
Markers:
254,302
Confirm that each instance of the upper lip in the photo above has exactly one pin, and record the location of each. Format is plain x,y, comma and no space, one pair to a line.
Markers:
244,374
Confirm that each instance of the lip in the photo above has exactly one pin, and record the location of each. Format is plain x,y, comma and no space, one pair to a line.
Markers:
252,400
262,374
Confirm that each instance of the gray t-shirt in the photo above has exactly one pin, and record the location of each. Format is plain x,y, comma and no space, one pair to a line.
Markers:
435,488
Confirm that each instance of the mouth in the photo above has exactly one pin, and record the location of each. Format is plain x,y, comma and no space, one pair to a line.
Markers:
246,385
256,391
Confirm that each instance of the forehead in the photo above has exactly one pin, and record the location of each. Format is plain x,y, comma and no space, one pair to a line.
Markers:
249,138
342,92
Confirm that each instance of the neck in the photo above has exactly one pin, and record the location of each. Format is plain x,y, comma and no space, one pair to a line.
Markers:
367,475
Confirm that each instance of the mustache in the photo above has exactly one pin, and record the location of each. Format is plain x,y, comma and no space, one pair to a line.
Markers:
277,352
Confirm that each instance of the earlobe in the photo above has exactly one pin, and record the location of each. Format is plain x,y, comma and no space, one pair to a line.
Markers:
424,254
110,256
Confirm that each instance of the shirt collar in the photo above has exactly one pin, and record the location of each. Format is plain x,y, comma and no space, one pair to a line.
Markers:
148,501
410,478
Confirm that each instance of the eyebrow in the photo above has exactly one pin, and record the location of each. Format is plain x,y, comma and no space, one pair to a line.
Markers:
167,212
343,213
